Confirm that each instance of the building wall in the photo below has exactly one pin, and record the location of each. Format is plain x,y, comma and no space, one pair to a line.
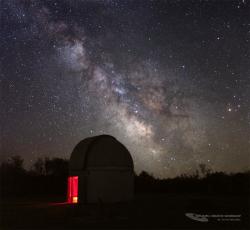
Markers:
107,185
110,186
82,186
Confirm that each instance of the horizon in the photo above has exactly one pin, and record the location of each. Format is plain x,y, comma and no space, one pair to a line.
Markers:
200,172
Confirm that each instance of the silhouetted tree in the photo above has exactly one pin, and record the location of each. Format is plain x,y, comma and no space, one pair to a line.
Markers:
13,176
204,170
39,167
146,176
17,162
13,166
56,166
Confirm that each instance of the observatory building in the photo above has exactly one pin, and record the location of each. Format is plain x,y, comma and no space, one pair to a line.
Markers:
100,170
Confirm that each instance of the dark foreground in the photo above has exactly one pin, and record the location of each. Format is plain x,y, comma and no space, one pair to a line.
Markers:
163,211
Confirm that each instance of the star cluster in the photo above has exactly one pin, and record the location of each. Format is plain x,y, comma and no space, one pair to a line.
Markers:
169,79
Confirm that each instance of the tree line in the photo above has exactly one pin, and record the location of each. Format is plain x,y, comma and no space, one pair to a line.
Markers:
48,177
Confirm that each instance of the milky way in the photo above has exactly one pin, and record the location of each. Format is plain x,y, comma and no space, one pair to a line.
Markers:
169,79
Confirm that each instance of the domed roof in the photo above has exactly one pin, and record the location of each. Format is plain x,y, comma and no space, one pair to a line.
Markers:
100,151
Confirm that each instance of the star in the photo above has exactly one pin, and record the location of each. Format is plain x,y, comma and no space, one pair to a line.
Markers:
127,71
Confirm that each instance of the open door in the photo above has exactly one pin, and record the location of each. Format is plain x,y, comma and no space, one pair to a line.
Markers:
73,189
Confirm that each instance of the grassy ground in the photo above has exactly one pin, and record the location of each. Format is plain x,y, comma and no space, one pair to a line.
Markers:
163,211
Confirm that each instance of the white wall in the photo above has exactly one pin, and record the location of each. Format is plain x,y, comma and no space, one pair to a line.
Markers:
110,185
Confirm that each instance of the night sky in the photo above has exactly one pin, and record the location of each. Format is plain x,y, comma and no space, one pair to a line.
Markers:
169,79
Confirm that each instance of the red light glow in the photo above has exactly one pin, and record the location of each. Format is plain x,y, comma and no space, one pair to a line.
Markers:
73,189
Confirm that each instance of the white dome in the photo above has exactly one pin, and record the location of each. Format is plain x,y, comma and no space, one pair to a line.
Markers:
100,151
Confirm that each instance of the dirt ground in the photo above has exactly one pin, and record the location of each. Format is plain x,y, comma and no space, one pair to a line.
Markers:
155,211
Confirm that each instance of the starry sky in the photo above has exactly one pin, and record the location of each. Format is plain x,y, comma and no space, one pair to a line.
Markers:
169,79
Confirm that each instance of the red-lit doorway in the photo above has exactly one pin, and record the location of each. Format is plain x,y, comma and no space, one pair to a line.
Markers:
73,189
